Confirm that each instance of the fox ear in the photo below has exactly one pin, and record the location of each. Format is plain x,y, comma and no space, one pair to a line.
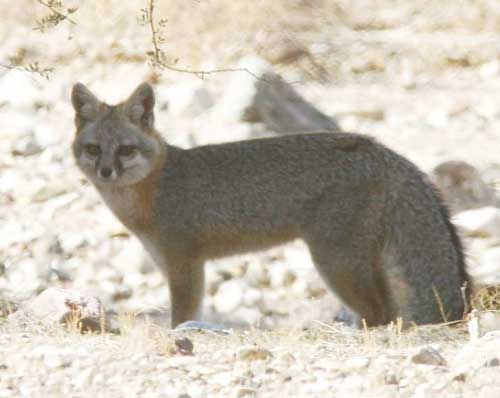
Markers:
140,106
85,103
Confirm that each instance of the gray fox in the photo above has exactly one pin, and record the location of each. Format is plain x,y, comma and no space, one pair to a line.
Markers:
377,230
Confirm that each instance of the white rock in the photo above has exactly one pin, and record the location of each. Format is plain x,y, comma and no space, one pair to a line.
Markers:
26,146
262,96
357,363
26,275
70,242
60,305
241,90
297,258
490,69
462,186
246,316
488,270
474,354
131,257
482,322
438,119
229,296
482,222
487,107
189,99
54,360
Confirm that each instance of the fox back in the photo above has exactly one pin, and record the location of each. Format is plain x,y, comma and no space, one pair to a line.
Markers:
377,231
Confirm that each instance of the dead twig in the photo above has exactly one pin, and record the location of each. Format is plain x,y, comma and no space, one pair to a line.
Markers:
158,57
34,67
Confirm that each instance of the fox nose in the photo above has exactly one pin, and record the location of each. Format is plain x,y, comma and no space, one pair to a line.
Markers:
105,172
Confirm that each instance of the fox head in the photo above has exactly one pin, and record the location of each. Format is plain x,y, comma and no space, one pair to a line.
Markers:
115,145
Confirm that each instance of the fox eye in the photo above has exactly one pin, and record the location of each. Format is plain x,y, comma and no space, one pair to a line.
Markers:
92,149
127,150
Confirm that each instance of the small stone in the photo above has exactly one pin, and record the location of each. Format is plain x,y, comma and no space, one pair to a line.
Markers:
462,186
482,223
357,363
189,99
183,346
429,356
489,321
45,191
438,119
493,362
71,242
462,377
27,146
132,258
391,378
229,296
490,69
487,107
487,272
254,353
54,360
247,315
246,392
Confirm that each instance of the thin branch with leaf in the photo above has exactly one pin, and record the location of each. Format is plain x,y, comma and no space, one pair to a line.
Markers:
58,14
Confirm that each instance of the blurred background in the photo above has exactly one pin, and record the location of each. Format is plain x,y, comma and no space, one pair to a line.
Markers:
421,76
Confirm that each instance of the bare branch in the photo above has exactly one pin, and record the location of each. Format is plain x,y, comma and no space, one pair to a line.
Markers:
30,68
158,57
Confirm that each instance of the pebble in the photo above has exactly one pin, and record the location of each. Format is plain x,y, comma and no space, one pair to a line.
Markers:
492,363
229,296
27,146
246,392
254,353
429,356
482,222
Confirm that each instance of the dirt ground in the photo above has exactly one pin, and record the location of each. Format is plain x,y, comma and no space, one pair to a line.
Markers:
421,76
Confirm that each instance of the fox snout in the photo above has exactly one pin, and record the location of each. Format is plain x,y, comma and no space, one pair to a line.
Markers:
106,167
106,173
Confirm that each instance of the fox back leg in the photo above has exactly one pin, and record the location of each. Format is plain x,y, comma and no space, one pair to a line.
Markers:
345,237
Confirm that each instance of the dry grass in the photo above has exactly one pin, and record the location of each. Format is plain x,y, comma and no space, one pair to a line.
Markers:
487,299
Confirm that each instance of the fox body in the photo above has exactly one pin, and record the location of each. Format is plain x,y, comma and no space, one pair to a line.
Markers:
377,231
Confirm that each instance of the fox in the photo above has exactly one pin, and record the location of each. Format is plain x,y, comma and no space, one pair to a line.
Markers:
377,230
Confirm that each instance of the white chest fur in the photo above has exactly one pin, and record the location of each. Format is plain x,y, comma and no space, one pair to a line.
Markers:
123,202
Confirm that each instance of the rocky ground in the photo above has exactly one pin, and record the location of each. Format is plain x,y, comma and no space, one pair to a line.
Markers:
423,78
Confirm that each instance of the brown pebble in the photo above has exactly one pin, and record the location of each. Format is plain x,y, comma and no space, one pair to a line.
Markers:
184,346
